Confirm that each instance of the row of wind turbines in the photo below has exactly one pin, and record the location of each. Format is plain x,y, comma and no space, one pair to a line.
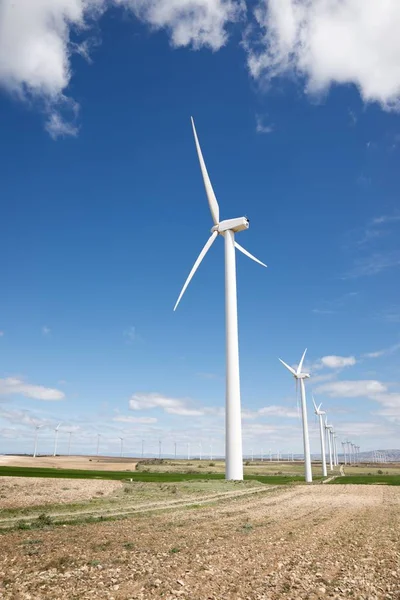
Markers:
233,426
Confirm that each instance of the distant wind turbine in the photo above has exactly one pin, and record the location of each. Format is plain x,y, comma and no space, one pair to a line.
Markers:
55,439
122,446
328,429
37,427
98,443
344,452
320,414
69,442
299,376
227,228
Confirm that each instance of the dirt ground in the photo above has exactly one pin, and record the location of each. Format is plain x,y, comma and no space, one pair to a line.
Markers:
17,492
97,463
293,542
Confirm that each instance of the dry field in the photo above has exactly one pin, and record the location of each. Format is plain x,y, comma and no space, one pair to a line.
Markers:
98,463
250,542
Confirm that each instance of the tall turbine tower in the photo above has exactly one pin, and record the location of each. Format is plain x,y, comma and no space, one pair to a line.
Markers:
320,414
328,435
227,228
299,376
37,427
55,439
69,442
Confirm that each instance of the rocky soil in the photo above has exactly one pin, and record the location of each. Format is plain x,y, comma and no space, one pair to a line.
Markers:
17,492
295,542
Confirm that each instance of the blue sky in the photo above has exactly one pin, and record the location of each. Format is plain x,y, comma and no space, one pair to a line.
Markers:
104,213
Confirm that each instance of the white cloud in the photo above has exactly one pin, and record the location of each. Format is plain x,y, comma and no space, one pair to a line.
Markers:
172,406
195,23
338,362
46,330
278,411
57,126
12,385
130,333
1,333
128,419
330,42
36,46
352,389
262,126
382,352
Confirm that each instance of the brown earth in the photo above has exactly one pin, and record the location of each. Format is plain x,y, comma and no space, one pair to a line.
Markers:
17,492
290,542
96,463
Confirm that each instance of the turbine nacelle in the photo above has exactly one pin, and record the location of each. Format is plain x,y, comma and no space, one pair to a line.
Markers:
239,224
302,376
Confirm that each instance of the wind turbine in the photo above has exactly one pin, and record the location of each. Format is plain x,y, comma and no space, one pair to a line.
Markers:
299,376
188,450
320,414
122,446
69,442
159,449
55,438
175,450
98,443
328,435
226,228
37,427
344,452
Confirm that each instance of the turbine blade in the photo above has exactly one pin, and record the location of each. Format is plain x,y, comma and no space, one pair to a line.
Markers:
202,254
320,404
301,362
315,406
241,249
212,201
288,368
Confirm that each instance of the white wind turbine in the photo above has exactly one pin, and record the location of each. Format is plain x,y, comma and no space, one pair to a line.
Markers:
226,228
55,438
69,442
37,427
320,414
328,429
299,376
122,446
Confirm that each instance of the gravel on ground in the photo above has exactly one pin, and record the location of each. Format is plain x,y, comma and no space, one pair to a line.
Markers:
298,542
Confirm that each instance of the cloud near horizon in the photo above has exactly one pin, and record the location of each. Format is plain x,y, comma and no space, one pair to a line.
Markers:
172,406
13,386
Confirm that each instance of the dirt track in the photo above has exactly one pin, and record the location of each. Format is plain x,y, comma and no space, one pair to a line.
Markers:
299,542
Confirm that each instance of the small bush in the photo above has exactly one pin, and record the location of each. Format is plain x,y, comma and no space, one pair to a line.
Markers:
174,550
211,464
380,472
43,520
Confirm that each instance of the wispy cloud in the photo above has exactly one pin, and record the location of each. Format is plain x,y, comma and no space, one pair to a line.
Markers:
383,352
1,333
172,406
46,331
373,264
337,362
13,386
130,334
129,419
335,305
352,389
262,126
